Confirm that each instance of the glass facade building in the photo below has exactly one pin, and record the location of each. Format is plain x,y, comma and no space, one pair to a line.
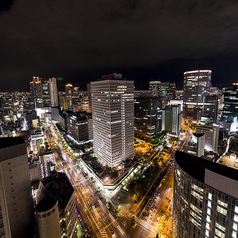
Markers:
230,108
196,85
148,116
205,198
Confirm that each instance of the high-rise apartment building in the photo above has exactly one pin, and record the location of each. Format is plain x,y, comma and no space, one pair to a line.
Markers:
53,92
196,85
205,201
113,118
16,213
171,119
36,91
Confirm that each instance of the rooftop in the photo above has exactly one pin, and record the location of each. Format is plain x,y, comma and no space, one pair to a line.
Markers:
195,167
45,204
59,187
10,141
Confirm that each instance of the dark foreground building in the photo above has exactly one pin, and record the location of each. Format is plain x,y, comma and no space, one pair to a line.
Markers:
205,198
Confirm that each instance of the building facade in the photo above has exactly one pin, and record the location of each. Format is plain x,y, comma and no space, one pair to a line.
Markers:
36,92
58,187
53,92
113,119
72,96
16,213
77,126
196,86
147,116
205,198
210,108
162,89
171,119
211,133
47,217
230,107
46,93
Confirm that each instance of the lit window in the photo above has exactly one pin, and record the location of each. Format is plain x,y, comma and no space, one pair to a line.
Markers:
235,226
236,209
210,196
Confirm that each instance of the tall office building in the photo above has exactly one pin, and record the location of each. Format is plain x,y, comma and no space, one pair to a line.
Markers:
196,85
53,92
230,108
210,108
205,198
36,92
162,89
72,96
47,217
16,213
199,140
89,98
56,187
113,119
211,133
171,119
147,115
155,87
46,93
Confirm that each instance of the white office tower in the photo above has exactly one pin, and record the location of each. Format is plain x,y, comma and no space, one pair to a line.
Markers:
199,139
53,92
211,133
113,119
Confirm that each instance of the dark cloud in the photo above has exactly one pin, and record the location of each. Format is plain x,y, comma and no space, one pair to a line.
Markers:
75,38
5,5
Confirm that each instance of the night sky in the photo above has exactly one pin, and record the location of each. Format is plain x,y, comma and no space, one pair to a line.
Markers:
80,40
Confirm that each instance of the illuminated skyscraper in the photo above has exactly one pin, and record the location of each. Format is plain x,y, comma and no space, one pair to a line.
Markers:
230,109
196,85
162,89
148,115
53,92
36,92
113,119
171,119
46,93
155,87
72,95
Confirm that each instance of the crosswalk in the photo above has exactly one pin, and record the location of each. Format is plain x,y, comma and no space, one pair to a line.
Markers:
101,229
119,228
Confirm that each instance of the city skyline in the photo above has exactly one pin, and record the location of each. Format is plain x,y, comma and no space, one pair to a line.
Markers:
144,41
